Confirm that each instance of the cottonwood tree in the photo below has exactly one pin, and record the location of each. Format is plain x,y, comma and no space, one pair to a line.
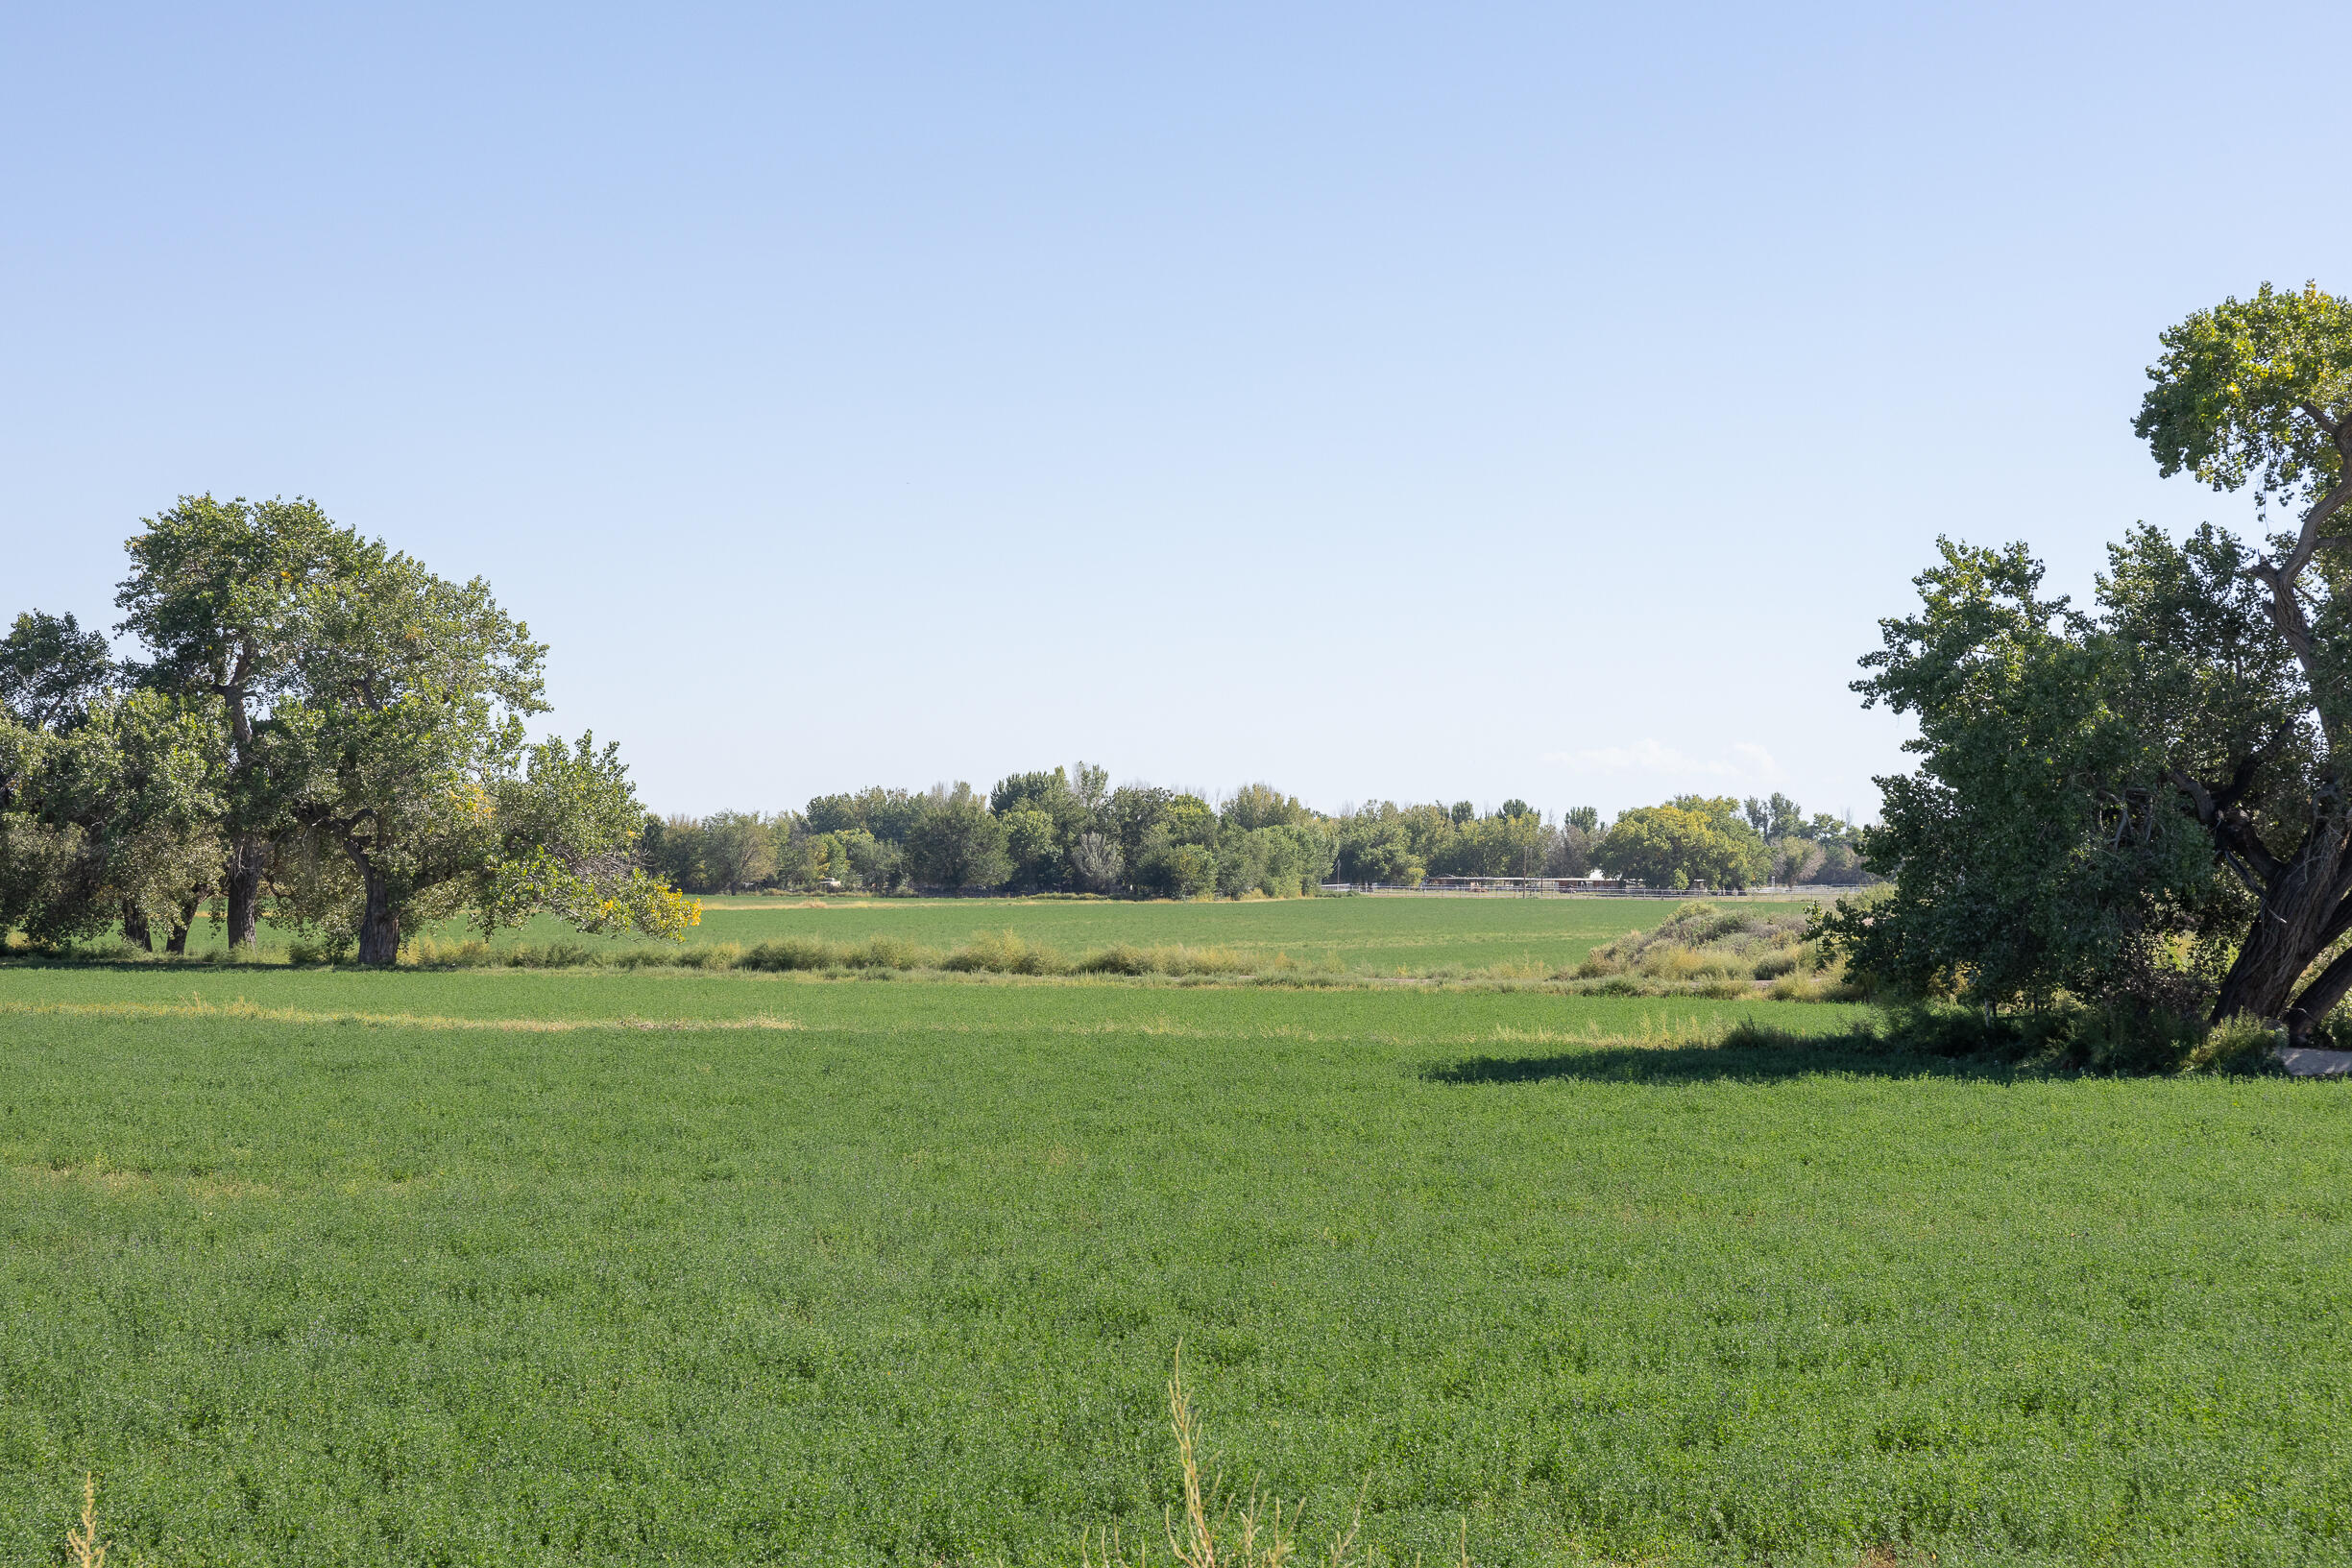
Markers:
107,801
2257,395
1691,838
2100,788
221,593
404,707
2038,849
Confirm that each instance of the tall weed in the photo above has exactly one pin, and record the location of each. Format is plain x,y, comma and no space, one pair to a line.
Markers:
1211,1535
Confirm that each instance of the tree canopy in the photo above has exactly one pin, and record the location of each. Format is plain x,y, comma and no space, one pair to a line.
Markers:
318,722
1690,840
2144,800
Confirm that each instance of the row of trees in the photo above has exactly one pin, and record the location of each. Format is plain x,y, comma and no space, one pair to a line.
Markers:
314,723
1068,831
1063,831
2145,802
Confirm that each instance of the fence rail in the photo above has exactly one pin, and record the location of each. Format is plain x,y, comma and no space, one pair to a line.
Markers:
1577,887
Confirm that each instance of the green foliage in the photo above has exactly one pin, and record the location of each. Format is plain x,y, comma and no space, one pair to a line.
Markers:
1280,860
404,708
1507,844
115,813
878,864
889,814
2244,390
319,720
956,844
1698,839
738,849
51,671
1033,843
2040,847
1170,869
568,827
1260,805
1382,843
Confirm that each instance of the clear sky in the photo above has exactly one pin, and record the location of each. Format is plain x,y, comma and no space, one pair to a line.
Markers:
1439,402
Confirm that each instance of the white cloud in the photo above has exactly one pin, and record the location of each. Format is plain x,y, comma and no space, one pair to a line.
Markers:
1746,760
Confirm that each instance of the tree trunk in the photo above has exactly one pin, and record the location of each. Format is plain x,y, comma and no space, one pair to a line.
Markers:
2302,912
135,926
248,859
181,924
380,925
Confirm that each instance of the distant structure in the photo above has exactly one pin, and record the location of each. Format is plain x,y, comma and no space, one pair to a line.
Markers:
1595,883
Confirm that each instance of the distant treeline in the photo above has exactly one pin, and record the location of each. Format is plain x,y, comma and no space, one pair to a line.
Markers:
1068,831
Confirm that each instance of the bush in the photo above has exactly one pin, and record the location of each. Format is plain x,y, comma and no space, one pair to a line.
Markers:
1121,958
891,953
1005,953
792,953
2234,1045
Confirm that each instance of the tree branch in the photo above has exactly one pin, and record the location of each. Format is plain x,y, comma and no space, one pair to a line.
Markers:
2287,610
2199,797
2244,876
2308,541
2318,416
2239,846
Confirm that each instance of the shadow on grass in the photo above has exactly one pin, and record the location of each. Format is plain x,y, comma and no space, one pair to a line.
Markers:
1747,1054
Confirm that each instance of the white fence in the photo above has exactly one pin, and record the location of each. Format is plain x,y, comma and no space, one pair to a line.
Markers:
1577,887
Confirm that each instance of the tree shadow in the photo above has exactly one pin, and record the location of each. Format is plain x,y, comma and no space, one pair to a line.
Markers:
1746,1057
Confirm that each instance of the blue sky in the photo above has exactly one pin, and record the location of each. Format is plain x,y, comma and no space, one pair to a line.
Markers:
1464,401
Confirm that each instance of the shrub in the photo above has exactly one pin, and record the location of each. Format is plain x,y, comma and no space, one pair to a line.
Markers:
891,953
1121,958
793,952
1005,953
2241,1043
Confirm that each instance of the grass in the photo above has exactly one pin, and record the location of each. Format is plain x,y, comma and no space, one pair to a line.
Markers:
506,1265
1578,945
1523,938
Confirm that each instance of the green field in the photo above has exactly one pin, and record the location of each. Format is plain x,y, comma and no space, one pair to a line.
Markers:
1381,936
512,1266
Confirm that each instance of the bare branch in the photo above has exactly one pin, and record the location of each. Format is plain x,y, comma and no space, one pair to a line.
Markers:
2244,875
2318,416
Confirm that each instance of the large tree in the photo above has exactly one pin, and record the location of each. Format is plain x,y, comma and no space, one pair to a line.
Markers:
220,592
403,710
2150,797
2257,394
1690,840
